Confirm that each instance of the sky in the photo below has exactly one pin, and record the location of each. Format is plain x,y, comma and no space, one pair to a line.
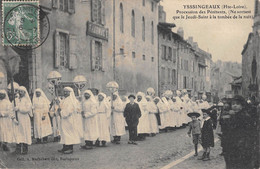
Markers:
223,38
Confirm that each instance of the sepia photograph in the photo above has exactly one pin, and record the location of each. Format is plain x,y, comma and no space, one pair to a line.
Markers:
130,84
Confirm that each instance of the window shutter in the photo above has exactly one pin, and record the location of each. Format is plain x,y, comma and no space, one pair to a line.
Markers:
92,55
73,62
57,50
103,58
103,12
55,3
71,8
94,10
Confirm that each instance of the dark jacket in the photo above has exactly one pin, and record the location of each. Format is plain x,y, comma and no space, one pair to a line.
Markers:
207,136
132,113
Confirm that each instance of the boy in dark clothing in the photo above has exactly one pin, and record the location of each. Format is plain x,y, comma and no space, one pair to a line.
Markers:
195,130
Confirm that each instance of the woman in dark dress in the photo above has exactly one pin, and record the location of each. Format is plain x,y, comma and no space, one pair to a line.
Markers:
207,136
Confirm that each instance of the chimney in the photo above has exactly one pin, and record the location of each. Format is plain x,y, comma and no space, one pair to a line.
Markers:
180,32
190,40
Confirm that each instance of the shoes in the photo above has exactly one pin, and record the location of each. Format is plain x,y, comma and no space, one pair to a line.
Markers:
68,152
202,157
117,142
207,157
196,154
5,148
130,142
134,143
86,147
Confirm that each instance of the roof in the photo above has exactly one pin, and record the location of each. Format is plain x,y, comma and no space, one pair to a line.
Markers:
247,43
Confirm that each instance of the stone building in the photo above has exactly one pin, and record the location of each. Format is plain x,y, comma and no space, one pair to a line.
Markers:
167,58
136,44
251,58
85,39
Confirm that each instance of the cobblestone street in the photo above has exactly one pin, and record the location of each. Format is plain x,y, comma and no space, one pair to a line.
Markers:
155,152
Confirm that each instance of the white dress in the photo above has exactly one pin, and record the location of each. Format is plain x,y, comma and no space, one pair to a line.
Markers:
42,128
23,130
152,117
103,126
69,134
144,125
6,123
90,124
117,119
55,120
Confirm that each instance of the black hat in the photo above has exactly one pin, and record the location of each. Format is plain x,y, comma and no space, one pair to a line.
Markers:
131,95
193,114
205,111
240,99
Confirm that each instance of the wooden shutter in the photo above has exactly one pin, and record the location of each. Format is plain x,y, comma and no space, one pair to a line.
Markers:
55,3
73,62
71,6
103,12
92,54
57,50
94,10
103,61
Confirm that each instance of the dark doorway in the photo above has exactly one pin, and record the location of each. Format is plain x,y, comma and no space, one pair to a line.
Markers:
22,78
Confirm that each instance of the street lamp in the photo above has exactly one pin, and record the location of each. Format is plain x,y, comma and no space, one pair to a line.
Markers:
80,82
112,87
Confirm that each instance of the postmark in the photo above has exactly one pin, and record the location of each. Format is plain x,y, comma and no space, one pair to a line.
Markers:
26,26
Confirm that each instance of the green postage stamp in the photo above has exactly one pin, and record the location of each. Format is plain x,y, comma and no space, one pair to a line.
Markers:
20,23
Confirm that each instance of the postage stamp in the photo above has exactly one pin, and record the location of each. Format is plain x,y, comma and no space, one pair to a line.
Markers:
20,23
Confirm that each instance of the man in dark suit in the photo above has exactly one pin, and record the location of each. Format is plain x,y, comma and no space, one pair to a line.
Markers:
132,113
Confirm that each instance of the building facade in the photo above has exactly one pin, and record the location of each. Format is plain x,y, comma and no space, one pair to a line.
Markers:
136,44
251,59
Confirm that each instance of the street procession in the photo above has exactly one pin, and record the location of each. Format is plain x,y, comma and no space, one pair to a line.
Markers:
112,84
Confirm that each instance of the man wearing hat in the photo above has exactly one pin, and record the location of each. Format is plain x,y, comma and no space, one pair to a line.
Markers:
195,130
132,113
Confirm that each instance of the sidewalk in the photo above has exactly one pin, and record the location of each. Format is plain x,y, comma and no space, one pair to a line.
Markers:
216,162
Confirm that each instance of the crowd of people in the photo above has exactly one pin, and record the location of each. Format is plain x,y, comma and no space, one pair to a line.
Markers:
96,118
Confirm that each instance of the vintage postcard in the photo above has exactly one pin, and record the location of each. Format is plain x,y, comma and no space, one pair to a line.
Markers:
170,84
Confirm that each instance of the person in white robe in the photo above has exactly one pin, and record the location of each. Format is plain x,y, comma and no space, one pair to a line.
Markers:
125,100
7,121
172,116
55,104
177,114
203,104
103,113
167,114
181,104
162,110
143,127
90,124
42,123
23,130
117,124
152,109
69,128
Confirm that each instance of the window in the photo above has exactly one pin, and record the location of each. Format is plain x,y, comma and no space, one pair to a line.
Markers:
143,2
173,76
170,37
163,35
152,6
122,51
98,56
65,5
192,83
133,24
143,57
121,18
174,55
133,55
152,33
164,52
98,11
152,58
162,75
186,65
143,29
170,53
65,50
184,82
181,64
169,76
